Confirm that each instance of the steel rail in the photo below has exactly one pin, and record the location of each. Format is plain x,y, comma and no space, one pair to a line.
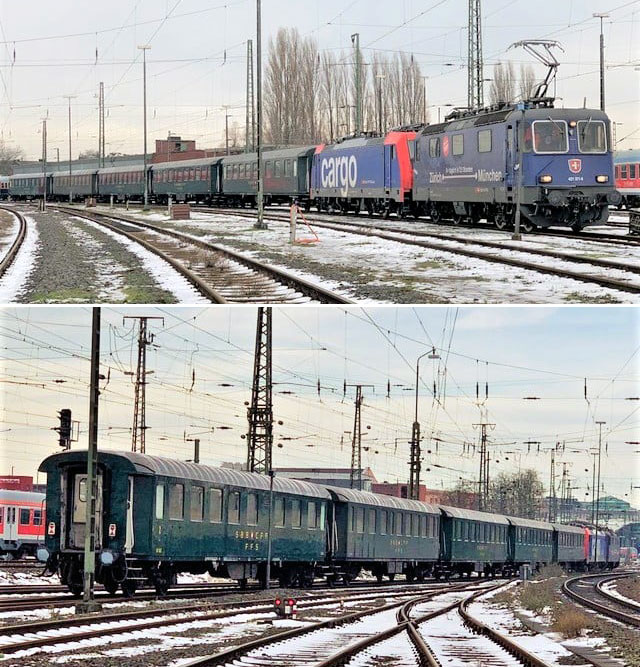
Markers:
242,649
230,609
17,242
309,289
629,619
514,649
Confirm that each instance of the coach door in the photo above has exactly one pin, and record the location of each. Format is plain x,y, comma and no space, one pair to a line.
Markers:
128,542
79,512
510,157
388,159
11,530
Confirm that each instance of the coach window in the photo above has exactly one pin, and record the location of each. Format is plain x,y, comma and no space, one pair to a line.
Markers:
623,171
252,509
383,522
295,168
312,517
267,169
371,522
296,516
215,505
423,526
484,141
277,169
197,503
233,511
1,514
632,170
457,144
176,501
278,513
398,530
321,509
592,136
359,511
160,501
24,517
192,174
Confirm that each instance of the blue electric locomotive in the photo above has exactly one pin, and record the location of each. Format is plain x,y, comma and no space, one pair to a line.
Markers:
558,162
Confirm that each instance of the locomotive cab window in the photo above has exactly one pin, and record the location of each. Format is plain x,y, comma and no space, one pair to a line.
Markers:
434,147
484,141
233,511
215,505
176,501
160,501
550,136
197,503
252,509
592,136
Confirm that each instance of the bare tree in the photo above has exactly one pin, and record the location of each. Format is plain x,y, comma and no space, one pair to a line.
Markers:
10,156
518,494
527,82
503,85
88,154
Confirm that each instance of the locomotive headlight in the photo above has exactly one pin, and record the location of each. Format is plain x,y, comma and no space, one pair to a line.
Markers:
573,123
107,558
545,178
602,179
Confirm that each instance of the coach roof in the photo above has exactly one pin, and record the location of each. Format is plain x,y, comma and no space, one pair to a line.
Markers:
367,498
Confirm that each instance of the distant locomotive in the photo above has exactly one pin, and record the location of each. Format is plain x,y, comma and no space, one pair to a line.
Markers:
22,518
157,517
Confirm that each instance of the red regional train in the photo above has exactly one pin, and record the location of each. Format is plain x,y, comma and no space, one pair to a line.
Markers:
627,173
22,521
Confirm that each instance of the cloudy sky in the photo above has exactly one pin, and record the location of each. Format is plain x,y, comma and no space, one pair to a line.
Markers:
534,361
197,60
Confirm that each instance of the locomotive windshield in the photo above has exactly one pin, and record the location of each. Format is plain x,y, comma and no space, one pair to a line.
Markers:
550,136
592,136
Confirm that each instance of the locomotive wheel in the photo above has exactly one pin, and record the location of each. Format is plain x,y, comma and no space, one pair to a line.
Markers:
434,214
458,219
129,588
527,226
501,221
111,586
75,590
577,227
391,576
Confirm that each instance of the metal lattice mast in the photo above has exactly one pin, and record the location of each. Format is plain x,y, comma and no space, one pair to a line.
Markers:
483,480
101,125
138,434
356,443
475,83
260,413
250,122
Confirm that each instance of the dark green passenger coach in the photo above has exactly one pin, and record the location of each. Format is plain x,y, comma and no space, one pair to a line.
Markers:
156,517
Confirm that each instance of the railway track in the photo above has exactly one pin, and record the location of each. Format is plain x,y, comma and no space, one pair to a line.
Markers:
337,642
26,636
490,251
220,274
12,251
587,590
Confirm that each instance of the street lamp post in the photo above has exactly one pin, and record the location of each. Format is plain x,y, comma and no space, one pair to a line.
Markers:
380,78
260,223
69,98
144,48
414,462
601,17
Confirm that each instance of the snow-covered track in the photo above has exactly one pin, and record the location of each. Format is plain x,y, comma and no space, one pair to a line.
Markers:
69,629
12,251
220,274
587,590
327,643
574,266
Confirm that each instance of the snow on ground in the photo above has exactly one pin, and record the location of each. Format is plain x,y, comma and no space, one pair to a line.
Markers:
164,274
441,273
109,272
397,651
11,578
610,587
12,284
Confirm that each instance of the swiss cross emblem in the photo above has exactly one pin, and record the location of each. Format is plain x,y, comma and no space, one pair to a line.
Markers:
575,166
445,145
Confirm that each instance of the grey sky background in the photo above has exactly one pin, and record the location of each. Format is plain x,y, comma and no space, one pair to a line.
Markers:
202,361
197,62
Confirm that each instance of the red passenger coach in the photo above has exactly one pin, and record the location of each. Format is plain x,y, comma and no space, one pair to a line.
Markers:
627,173
22,522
